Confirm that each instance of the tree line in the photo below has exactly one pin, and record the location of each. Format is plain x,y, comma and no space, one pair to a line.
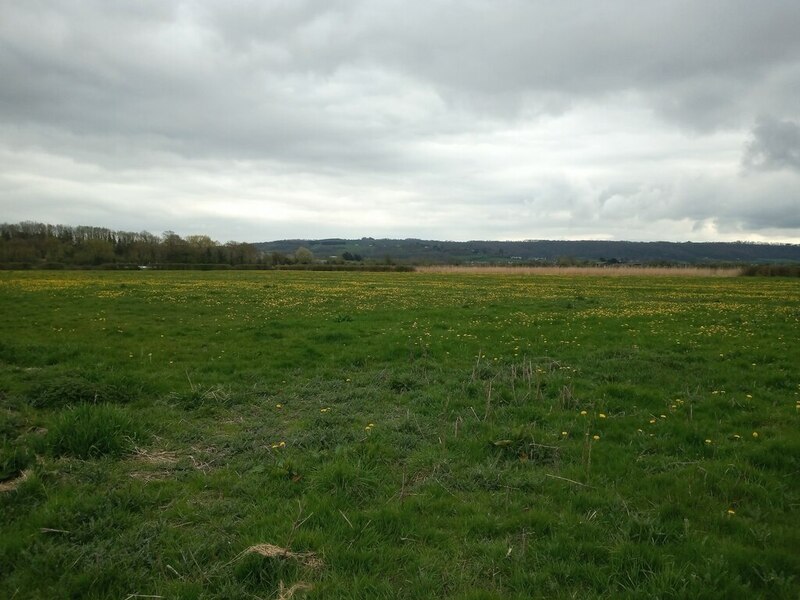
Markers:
38,245
31,244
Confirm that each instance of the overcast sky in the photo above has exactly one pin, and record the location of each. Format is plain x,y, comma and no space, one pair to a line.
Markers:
256,120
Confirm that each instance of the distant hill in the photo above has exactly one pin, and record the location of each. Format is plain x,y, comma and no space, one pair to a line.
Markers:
432,251
40,245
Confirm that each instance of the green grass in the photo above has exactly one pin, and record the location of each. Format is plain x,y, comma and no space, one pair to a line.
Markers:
423,435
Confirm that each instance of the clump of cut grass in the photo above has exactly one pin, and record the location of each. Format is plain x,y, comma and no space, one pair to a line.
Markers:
159,464
285,593
155,457
269,565
91,431
307,559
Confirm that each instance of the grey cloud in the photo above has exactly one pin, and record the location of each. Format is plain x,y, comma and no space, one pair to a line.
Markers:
250,75
702,64
728,204
426,104
775,145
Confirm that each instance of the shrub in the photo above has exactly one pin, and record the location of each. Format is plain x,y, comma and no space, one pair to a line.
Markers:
771,271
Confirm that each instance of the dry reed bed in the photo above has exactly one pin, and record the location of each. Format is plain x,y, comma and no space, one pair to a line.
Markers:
620,271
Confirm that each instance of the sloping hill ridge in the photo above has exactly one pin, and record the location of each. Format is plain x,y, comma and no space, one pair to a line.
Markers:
416,250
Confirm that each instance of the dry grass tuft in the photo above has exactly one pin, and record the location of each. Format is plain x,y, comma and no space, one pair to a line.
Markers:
203,459
285,593
308,559
12,484
155,457
615,271
162,463
148,476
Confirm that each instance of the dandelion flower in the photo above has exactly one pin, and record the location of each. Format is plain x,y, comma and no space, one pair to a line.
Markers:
595,437
731,511
583,413
564,433
602,415
755,434
708,441
279,406
652,421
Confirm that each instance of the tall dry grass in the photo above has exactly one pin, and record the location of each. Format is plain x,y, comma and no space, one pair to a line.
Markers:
608,271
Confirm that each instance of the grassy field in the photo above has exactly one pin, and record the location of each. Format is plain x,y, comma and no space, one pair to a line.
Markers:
398,435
